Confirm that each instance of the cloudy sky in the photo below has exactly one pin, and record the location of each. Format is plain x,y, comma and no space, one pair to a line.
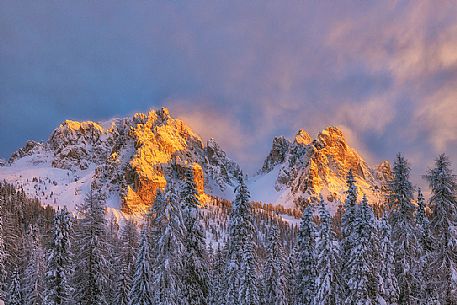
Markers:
239,71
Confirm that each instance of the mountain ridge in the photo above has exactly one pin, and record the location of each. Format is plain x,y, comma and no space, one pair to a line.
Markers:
128,160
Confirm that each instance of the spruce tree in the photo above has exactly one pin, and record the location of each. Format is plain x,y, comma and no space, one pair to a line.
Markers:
275,270
350,213
112,258
141,290
3,253
123,286
421,218
241,261
249,294
128,246
407,247
290,275
33,283
15,291
217,296
58,268
442,261
195,256
348,227
362,270
168,250
423,232
388,287
129,241
305,261
90,277
328,283
423,224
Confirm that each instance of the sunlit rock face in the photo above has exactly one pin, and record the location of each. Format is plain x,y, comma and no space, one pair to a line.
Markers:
308,167
129,159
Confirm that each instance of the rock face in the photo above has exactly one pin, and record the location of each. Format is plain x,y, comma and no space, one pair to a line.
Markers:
308,167
130,158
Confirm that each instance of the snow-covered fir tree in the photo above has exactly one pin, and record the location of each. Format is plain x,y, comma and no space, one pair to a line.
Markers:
241,261
128,246
305,261
350,213
34,274
275,281
168,249
58,267
387,282
123,286
442,261
422,221
407,246
421,217
217,276
15,292
91,264
363,276
141,290
328,283
3,254
348,228
195,275
112,257
129,241
290,275
423,232
249,292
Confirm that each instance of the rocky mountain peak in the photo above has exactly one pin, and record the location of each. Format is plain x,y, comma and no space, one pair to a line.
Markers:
26,150
279,148
308,167
302,137
164,113
332,136
129,159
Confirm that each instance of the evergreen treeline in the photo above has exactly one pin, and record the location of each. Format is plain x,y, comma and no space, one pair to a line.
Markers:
243,255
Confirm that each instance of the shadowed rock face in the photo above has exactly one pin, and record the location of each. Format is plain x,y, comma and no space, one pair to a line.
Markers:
308,167
132,158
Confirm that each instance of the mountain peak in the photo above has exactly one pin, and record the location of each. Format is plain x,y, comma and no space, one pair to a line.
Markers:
126,159
303,137
308,167
164,113
331,135
75,125
279,148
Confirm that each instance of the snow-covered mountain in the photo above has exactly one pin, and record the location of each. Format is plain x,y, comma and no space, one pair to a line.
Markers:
295,172
128,159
